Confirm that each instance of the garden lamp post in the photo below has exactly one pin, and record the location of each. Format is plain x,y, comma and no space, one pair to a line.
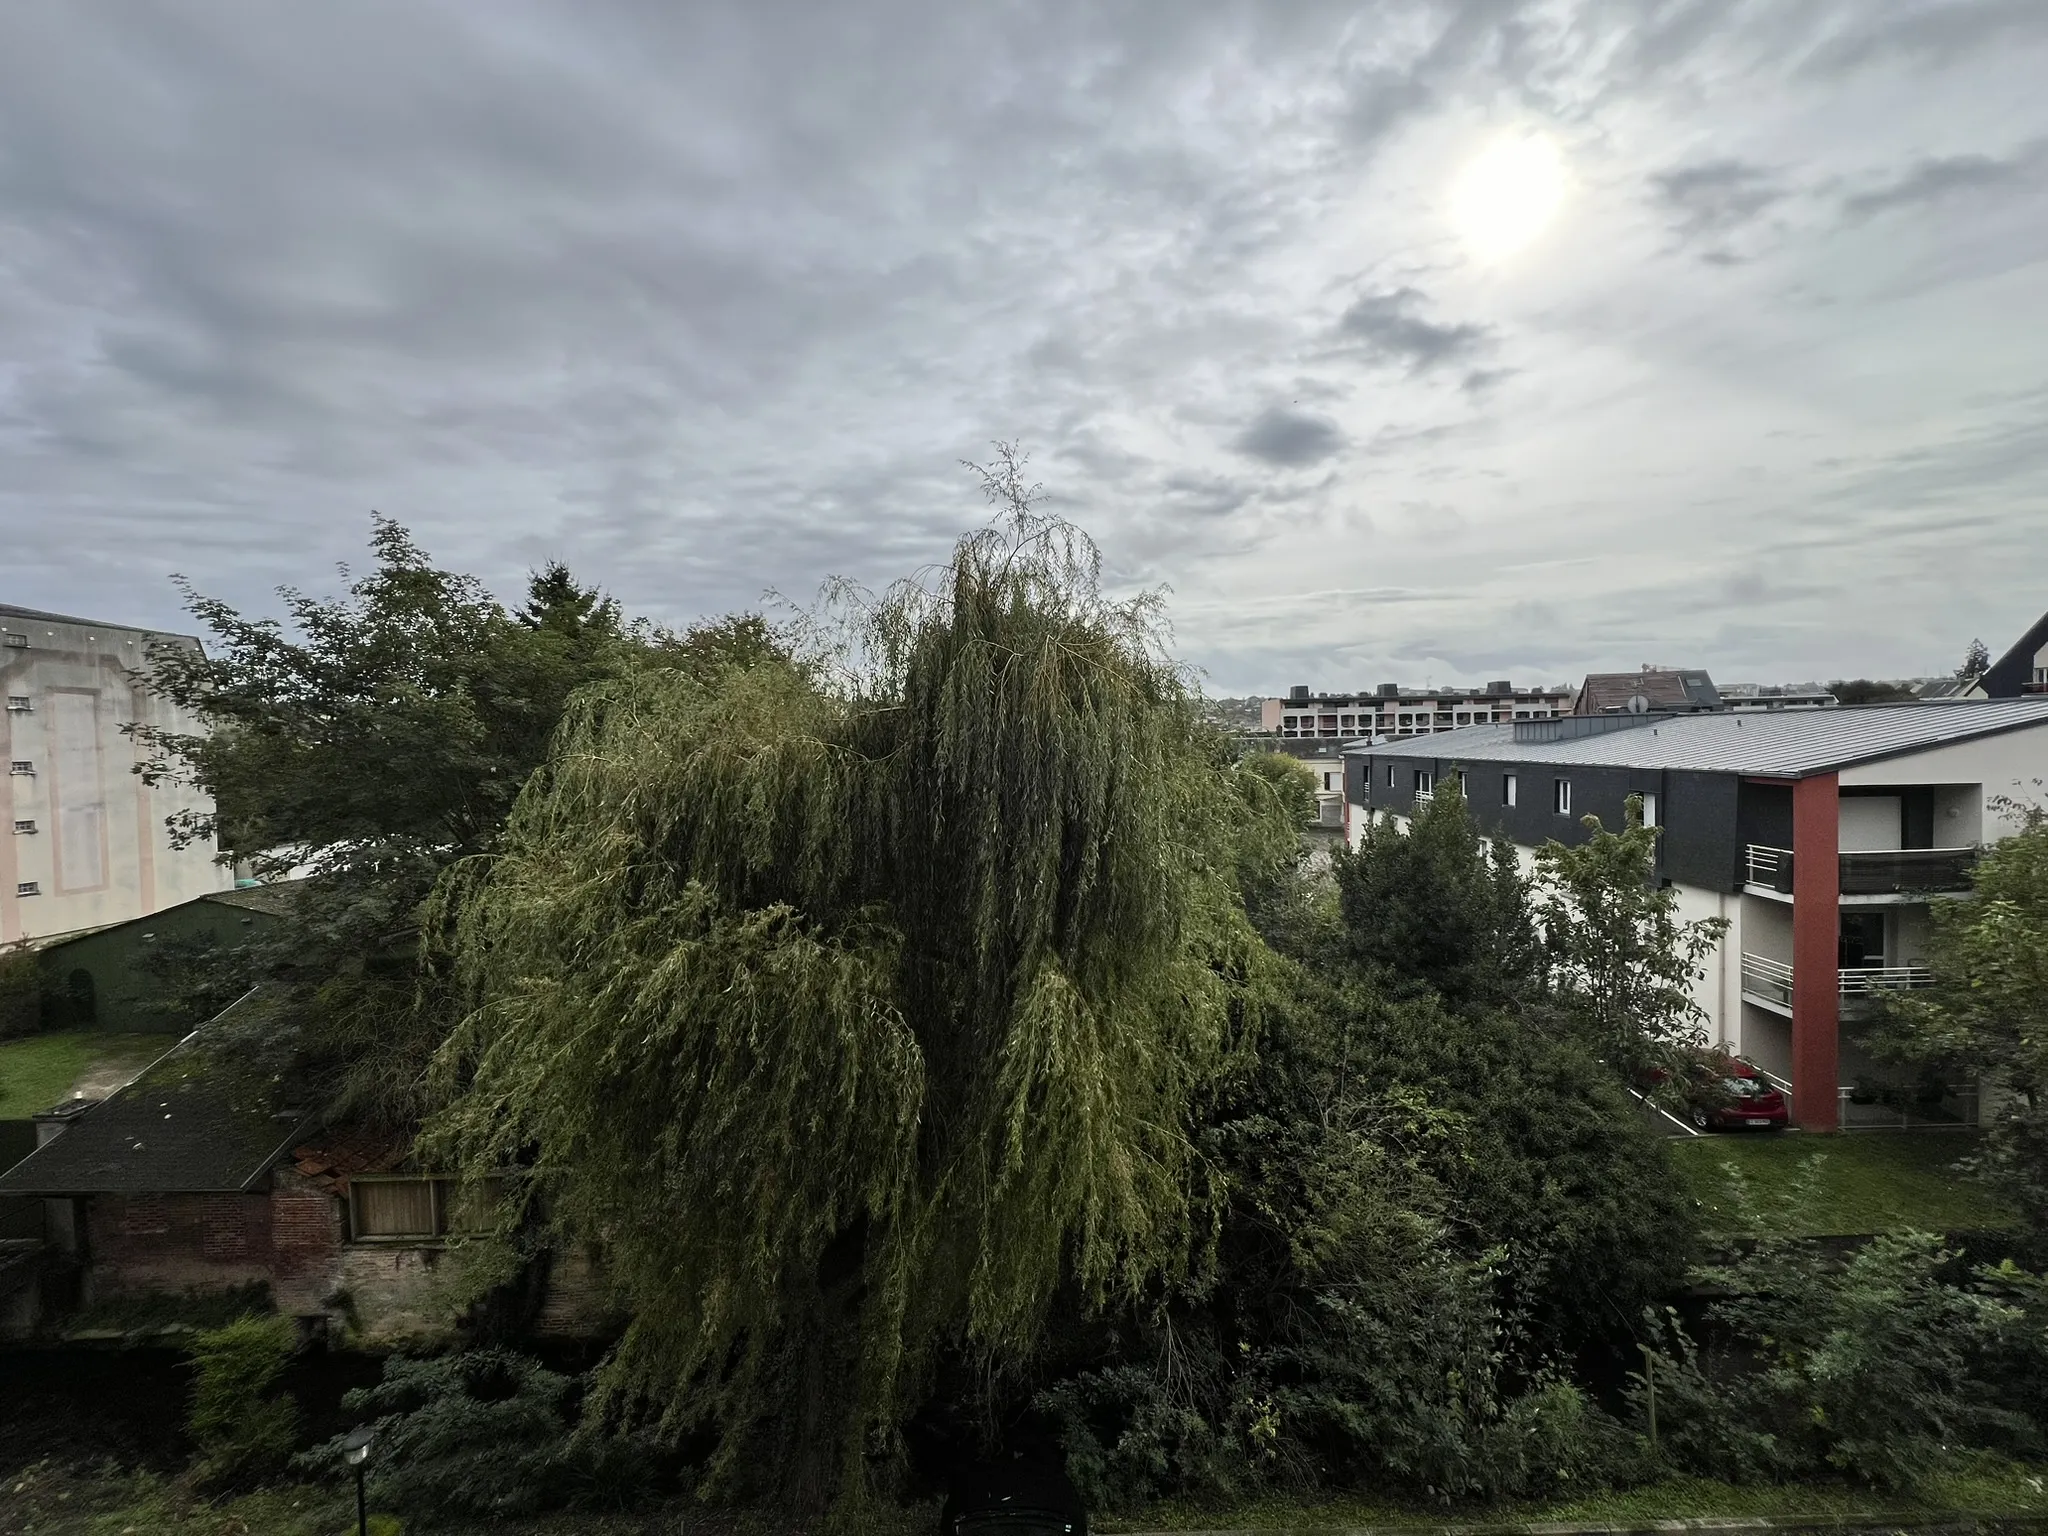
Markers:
355,1450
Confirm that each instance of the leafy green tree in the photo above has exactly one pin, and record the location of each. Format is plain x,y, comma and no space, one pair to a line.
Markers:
1436,905
1986,1015
1863,690
371,740
858,1012
1291,781
1976,662
1621,962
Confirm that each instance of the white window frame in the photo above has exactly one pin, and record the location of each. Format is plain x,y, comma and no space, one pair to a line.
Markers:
1561,796
1507,790
1650,807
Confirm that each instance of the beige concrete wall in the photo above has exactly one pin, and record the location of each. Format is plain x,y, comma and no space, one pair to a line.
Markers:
99,851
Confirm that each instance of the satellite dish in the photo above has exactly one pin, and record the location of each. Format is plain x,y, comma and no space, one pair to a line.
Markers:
1638,705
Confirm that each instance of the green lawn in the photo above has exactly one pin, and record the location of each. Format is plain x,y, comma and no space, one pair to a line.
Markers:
38,1071
1798,1185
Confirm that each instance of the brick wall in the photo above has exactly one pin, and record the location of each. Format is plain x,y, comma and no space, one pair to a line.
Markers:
177,1242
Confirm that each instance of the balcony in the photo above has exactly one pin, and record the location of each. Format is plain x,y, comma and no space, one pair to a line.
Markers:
1891,872
1769,981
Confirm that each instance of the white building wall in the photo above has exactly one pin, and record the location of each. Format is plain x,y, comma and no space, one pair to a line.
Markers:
77,824
2012,765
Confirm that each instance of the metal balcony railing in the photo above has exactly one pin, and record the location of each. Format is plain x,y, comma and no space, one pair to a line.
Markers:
1867,980
1771,980
1886,872
1768,979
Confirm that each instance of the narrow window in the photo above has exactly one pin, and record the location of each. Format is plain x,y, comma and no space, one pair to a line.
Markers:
1507,789
1649,808
1561,796
1390,775
1327,785
1425,782
1462,785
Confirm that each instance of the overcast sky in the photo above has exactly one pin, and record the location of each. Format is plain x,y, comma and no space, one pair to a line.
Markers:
1403,341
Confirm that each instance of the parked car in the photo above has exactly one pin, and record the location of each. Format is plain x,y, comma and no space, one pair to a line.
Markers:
1722,1092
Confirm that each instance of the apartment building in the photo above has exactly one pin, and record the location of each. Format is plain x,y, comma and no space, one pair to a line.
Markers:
85,842
1395,711
1825,838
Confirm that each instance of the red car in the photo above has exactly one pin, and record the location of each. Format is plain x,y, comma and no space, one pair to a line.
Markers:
1726,1093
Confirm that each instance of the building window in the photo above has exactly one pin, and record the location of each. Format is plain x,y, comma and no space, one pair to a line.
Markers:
1462,785
19,704
1649,808
1390,775
16,642
1425,783
18,768
1561,796
1507,789
1327,785
24,826
29,888
419,1209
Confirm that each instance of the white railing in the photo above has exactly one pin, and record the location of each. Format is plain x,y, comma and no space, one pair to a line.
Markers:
1766,978
1958,1106
1765,866
1424,796
1863,980
1772,979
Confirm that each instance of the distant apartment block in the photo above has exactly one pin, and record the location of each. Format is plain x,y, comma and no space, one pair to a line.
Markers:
1825,839
1393,711
83,840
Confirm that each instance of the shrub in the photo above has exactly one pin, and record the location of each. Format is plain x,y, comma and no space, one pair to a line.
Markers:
243,1431
1883,1366
483,1434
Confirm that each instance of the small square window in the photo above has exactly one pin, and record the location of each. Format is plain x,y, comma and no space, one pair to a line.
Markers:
24,826
19,767
19,704
1507,790
16,642
1561,796
29,888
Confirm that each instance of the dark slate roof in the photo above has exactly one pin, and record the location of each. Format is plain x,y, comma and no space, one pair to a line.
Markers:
2012,671
196,1122
271,900
1603,692
1784,744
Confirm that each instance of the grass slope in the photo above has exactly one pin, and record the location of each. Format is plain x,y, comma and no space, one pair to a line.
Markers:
1799,1185
37,1071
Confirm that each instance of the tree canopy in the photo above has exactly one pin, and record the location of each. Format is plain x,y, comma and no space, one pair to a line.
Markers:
855,1008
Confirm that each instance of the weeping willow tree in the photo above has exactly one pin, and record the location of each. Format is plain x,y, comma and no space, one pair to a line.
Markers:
854,1009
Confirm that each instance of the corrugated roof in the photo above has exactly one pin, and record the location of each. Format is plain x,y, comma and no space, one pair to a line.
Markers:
196,1122
1790,744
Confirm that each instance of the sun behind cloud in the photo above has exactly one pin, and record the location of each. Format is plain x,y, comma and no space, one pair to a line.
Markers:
1508,194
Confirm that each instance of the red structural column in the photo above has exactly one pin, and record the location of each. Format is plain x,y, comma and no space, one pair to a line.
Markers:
1816,952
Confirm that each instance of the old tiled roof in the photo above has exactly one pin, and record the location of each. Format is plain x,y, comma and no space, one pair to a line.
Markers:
1603,692
197,1121
1784,744
338,1155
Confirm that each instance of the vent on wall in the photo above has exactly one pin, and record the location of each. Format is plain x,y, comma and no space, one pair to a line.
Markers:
17,642
24,826
19,704
20,767
29,888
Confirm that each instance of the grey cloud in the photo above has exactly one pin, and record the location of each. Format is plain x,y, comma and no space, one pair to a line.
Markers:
1392,331
1931,33
1713,198
1289,438
1942,177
